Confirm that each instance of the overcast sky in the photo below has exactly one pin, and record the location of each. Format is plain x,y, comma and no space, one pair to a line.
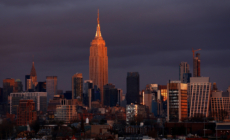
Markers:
149,37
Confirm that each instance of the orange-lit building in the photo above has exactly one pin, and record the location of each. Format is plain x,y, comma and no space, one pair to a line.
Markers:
98,61
163,89
177,101
26,112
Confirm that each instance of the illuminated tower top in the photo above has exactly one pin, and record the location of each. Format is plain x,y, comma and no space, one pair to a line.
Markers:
98,32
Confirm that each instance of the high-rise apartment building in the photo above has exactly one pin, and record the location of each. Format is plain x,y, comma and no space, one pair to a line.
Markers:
26,112
184,68
196,65
220,105
199,96
51,87
77,86
177,101
132,88
39,98
98,61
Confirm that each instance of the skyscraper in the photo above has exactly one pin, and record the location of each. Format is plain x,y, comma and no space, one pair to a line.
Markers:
132,87
33,76
184,72
98,61
77,86
51,87
110,95
196,65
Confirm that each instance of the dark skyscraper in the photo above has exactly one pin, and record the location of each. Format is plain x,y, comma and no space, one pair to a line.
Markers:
196,65
77,86
132,87
110,95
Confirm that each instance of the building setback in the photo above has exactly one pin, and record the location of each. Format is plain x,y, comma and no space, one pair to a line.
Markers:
98,61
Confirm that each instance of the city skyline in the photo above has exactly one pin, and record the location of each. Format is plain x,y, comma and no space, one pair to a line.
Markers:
140,38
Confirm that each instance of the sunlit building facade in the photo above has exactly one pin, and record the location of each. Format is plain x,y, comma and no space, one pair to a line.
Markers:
177,101
98,61
199,96
163,91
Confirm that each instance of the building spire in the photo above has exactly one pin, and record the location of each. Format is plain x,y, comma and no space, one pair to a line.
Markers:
33,71
98,32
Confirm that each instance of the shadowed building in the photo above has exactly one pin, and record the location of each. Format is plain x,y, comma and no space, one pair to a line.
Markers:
26,112
98,61
110,95
184,68
39,99
27,77
132,86
51,87
77,86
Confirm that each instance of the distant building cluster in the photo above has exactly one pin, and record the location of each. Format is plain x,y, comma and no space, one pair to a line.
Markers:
100,106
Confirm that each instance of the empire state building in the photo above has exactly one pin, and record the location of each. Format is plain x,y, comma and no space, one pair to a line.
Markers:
98,61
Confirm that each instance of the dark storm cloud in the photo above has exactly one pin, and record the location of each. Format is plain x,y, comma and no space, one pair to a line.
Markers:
144,36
